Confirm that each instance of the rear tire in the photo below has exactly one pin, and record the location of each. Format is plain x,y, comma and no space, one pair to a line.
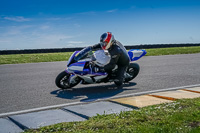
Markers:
133,70
62,81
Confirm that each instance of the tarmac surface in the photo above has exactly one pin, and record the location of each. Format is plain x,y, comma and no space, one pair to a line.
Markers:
29,86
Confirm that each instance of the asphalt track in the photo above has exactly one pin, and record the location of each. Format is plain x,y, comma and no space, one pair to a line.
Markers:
28,86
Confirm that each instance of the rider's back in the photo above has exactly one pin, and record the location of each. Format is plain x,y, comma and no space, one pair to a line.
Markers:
119,50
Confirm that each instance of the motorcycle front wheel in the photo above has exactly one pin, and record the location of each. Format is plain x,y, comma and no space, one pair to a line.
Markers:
62,81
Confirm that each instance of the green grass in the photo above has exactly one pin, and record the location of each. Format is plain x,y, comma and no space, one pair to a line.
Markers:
33,58
49,57
173,51
181,116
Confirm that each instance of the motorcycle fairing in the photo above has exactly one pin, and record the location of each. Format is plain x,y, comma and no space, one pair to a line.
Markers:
79,68
72,57
135,54
86,74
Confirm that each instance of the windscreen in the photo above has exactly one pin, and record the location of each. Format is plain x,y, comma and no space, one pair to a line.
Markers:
101,57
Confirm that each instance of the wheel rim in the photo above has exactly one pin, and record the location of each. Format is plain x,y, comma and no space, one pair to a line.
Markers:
131,72
64,81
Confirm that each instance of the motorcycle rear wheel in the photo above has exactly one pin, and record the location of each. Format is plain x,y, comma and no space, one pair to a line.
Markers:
133,70
62,81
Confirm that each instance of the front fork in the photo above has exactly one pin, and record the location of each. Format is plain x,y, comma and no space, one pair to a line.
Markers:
72,77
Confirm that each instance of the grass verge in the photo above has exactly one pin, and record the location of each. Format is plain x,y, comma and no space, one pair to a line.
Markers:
181,116
34,58
50,57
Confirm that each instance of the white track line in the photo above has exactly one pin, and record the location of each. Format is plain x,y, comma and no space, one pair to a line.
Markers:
38,109
75,103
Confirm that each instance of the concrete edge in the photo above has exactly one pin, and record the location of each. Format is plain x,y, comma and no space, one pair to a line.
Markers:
154,91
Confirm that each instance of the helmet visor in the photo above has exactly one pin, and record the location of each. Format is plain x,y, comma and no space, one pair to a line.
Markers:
103,45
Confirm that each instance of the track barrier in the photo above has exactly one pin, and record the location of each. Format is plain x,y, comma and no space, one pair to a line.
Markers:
56,50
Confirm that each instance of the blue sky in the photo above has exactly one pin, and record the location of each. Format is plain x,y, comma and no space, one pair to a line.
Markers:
32,24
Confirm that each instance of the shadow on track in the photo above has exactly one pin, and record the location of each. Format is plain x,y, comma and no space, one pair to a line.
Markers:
91,93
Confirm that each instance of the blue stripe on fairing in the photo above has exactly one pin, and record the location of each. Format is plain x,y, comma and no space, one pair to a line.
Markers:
81,64
87,71
99,74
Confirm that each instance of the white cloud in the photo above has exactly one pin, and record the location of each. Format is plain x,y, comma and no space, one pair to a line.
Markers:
58,18
17,19
111,11
44,27
49,40
56,37
75,42
54,19
28,37
77,25
16,30
133,7
87,13
4,41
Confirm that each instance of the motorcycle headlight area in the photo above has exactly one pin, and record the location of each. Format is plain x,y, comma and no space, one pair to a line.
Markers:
100,58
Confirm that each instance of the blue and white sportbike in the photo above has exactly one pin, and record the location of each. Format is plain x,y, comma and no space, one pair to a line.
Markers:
83,72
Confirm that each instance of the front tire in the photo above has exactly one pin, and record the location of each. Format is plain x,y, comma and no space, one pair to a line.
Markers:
62,81
132,71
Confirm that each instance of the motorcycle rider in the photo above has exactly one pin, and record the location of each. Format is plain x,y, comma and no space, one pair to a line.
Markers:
118,54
